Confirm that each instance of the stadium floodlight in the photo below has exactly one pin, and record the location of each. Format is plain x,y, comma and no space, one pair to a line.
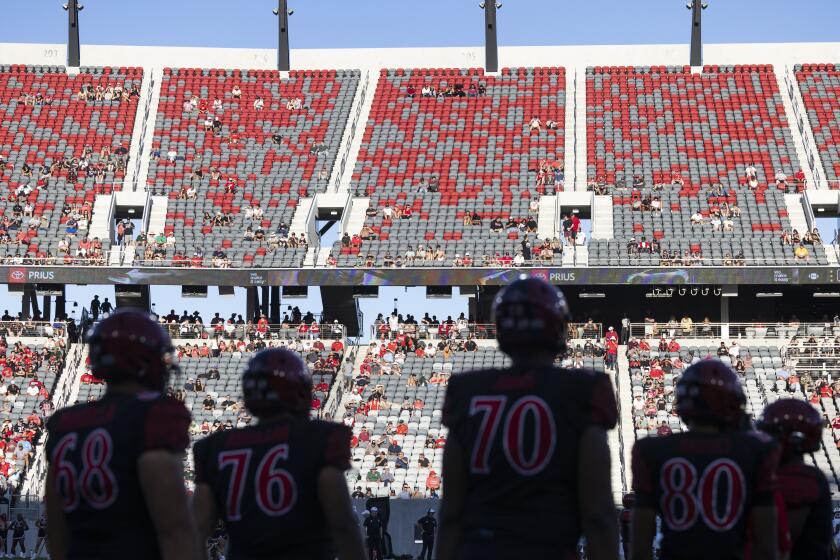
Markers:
696,7
283,12
73,8
491,43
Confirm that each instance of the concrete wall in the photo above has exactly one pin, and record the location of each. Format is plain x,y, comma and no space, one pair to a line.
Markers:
568,56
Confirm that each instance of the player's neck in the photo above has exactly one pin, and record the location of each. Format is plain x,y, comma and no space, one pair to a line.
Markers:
535,360
126,388
283,417
704,429
794,460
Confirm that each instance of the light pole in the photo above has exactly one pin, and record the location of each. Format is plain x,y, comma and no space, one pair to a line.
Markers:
491,41
283,12
72,7
696,7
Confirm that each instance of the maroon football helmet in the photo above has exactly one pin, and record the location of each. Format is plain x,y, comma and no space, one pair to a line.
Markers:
795,424
277,381
709,392
130,345
531,314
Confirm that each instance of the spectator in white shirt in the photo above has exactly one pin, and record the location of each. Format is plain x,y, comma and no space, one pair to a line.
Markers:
750,171
259,104
734,350
535,124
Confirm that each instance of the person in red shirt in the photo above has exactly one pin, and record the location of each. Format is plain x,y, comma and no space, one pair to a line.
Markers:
402,428
612,353
575,226
644,345
673,346
611,335
337,346
262,326
433,481
656,372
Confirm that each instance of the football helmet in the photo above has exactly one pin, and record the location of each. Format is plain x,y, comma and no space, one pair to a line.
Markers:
130,345
531,314
709,392
795,424
277,381
628,500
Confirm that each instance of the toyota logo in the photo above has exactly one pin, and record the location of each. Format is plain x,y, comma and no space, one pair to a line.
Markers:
17,275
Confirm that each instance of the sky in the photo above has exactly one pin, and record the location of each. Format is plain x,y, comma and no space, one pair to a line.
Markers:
412,23
398,23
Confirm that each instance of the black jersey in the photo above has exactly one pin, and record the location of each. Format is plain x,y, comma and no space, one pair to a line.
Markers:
703,486
264,479
520,430
804,486
93,449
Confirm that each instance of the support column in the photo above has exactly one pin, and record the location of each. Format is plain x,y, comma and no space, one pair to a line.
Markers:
724,317
47,308
251,302
274,316
491,46
61,303
26,301
264,301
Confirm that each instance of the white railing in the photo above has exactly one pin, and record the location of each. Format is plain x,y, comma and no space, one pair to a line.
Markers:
331,331
35,475
342,163
803,125
825,184
784,331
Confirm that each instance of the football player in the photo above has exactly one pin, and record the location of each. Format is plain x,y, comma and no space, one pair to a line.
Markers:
279,485
526,466
709,483
797,426
115,484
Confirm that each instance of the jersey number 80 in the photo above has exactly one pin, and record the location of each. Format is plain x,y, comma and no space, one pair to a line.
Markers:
717,497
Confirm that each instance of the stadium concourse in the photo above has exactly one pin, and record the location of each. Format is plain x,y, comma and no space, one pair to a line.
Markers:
594,167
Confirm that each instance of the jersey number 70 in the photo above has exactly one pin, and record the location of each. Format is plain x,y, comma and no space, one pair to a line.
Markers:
514,423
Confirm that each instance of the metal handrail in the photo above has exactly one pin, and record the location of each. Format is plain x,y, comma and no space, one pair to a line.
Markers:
327,331
479,331
33,328
352,132
776,330
435,332
824,184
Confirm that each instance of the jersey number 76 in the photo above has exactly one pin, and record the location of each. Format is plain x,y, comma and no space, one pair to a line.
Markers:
274,487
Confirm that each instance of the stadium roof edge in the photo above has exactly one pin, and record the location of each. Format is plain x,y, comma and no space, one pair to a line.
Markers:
451,57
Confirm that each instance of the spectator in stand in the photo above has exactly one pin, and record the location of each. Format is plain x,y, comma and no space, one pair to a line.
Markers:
781,180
